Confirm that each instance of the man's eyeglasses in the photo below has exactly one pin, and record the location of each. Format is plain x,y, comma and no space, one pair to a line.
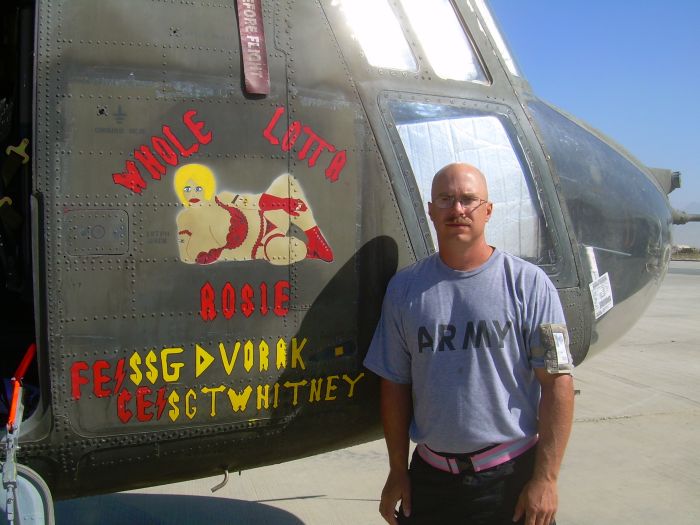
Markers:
468,203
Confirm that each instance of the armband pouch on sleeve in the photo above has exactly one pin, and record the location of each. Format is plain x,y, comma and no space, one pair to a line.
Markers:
554,339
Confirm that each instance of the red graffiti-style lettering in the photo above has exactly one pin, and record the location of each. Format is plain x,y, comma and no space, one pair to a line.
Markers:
166,150
131,178
291,136
248,297
336,166
228,301
314,144
207,297
281,298
160,401
185,152
196,127
99,379
247,306
143,404
124,413
263,299
313,138
120,374
76,379
271,125
146,157
322,145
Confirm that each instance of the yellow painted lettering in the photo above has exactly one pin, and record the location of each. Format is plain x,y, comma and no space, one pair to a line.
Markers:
330,388
172,373
152,373
202,360
295,386
315,390
229,364
263,396
190,403
136,376
281,354
239,401
248,355
296,353
213,392
277,396
264,355
173,400
352,382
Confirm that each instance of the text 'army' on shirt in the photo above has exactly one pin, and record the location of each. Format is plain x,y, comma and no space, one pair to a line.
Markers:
489,334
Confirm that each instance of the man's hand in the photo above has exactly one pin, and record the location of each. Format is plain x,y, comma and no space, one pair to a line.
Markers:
396,489
538,501
396,408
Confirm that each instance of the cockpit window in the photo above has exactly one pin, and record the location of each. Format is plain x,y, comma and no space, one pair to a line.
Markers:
443,40
434,135
374,25
497,36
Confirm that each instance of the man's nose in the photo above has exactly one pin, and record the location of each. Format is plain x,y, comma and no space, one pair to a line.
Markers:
460,208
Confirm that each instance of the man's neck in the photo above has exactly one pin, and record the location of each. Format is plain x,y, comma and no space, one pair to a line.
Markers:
466,259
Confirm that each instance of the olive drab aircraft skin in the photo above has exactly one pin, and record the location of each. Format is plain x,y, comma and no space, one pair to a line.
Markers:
218,192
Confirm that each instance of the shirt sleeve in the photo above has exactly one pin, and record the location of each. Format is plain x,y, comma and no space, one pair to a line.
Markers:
545,309
388,355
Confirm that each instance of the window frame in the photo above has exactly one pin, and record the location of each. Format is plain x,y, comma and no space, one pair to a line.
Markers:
407,192
425,59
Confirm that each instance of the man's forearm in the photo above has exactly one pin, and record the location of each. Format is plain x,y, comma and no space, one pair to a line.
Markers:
396,411
539,499
555,421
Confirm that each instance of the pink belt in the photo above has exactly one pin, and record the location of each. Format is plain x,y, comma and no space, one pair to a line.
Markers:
482,461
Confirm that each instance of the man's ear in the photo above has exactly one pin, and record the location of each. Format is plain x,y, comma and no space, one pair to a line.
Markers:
489,210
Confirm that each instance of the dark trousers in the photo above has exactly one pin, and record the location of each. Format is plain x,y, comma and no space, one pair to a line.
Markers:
470,498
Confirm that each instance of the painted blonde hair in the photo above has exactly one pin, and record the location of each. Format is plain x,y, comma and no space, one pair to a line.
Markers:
200,174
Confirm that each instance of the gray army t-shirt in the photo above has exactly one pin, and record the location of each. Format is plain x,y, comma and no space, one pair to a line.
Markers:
464,341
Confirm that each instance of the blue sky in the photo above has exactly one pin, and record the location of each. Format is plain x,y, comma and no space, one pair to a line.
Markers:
629,69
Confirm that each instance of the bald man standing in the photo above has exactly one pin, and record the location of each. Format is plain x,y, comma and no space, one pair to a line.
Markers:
472,349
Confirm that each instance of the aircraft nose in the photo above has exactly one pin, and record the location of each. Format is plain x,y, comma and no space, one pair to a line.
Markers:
618,216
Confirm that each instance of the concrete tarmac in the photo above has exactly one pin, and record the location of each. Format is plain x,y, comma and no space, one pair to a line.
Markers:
632,458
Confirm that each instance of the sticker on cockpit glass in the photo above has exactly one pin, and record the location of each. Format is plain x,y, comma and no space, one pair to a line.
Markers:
590,254
601,292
